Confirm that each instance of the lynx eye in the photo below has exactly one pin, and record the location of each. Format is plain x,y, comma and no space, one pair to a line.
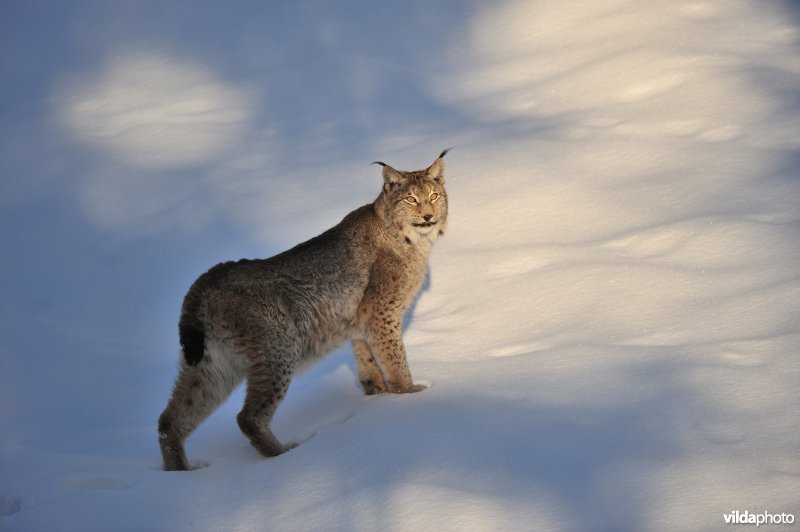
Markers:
434,197
411,200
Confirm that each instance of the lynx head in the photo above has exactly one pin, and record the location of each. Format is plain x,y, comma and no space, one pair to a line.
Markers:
415,203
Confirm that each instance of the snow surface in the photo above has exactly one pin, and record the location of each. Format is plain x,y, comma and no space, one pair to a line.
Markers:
610,328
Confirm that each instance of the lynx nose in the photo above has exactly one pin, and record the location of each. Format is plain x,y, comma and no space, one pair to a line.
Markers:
428,217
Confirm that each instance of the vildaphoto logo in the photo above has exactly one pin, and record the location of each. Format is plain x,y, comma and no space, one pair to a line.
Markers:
764,518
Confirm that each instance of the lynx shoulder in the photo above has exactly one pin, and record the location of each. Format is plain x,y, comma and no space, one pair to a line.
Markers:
263,320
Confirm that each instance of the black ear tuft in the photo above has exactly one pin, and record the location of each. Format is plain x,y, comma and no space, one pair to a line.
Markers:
436,170
380,163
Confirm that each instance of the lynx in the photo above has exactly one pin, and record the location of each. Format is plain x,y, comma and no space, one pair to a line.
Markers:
264,320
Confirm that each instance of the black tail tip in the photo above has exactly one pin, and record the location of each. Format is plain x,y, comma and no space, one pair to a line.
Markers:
193,344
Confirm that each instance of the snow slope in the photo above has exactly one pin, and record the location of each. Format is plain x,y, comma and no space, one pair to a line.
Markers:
610,327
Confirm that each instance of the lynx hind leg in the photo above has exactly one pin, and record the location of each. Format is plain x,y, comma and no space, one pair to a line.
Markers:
198,391
268,380
369,372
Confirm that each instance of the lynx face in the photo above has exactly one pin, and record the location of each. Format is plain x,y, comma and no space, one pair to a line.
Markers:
421,208
417,201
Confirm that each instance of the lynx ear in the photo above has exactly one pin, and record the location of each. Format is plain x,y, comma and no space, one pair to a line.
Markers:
391,177
436,170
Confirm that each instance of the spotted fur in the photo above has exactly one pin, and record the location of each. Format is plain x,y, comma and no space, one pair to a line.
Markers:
263,320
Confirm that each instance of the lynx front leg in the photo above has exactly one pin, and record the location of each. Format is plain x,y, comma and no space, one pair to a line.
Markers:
386,342
369,372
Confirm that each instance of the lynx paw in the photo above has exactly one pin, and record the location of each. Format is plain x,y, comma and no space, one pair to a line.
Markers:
372,388
289,446
416,388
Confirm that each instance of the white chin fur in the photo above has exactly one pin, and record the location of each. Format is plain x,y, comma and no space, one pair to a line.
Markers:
416,234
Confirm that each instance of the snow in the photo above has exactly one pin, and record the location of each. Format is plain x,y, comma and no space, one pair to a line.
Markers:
610,327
